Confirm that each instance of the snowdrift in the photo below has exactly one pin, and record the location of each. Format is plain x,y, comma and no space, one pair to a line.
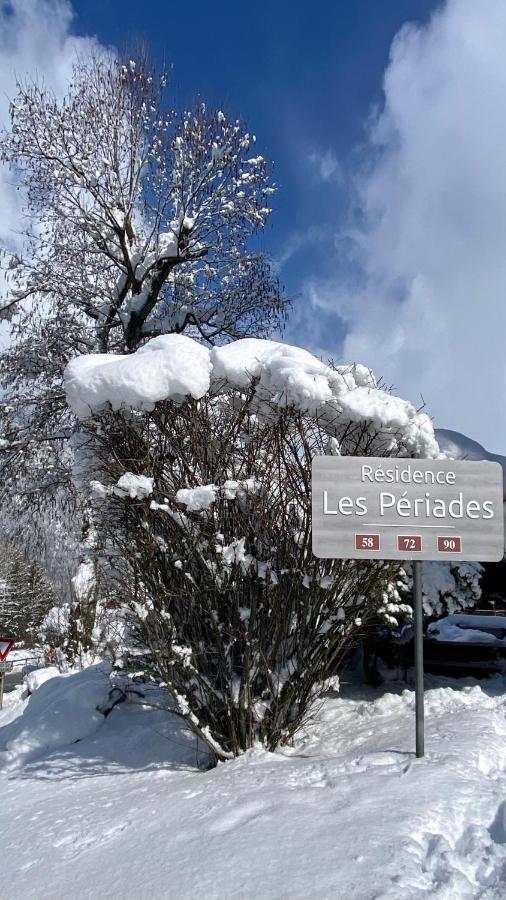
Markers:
61,711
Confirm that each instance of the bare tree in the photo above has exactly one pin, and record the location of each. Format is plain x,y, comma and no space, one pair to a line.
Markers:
140,216
140,222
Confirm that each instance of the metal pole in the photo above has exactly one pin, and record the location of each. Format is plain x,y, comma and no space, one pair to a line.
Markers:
418,613
1,690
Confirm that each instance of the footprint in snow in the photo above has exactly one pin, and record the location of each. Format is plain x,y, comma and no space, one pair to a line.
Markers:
238,817
78,842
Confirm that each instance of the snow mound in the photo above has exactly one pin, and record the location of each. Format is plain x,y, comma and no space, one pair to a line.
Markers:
62,710
175,366
171,365
38,677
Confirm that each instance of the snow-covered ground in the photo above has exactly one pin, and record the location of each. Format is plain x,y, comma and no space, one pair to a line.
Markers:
129,811
24,656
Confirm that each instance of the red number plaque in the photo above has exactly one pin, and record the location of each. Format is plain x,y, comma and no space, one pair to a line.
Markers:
409,543
447,544
367,542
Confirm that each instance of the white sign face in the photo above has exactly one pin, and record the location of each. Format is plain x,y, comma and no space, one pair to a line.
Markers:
6,645
372,508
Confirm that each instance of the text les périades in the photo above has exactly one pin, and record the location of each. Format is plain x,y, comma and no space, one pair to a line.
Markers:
427,506
393,508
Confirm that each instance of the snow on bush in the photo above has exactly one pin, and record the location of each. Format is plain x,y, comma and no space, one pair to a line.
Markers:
54,626
171,365
175,367
137,487
448,587
228,606
62,710
198,498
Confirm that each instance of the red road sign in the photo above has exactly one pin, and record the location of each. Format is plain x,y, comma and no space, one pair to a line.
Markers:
6,645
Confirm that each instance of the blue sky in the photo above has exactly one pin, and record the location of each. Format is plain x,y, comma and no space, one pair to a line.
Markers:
304,77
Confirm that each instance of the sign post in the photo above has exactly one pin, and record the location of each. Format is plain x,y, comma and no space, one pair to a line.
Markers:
411,510
418,620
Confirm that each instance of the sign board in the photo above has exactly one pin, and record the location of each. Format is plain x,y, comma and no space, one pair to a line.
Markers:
6,666
6,645
411,509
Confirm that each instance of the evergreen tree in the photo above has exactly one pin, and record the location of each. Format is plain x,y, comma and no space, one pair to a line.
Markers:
25,594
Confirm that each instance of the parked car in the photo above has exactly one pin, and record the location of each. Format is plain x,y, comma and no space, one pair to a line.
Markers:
456,646
466,645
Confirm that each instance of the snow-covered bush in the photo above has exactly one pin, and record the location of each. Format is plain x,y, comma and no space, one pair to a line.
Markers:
446,589
203,475
94,625
53,630
449,587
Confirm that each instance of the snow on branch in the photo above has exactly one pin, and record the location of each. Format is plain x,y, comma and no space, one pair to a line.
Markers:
142,213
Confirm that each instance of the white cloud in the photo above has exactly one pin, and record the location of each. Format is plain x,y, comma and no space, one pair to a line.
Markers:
34,42
428,308
327,165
